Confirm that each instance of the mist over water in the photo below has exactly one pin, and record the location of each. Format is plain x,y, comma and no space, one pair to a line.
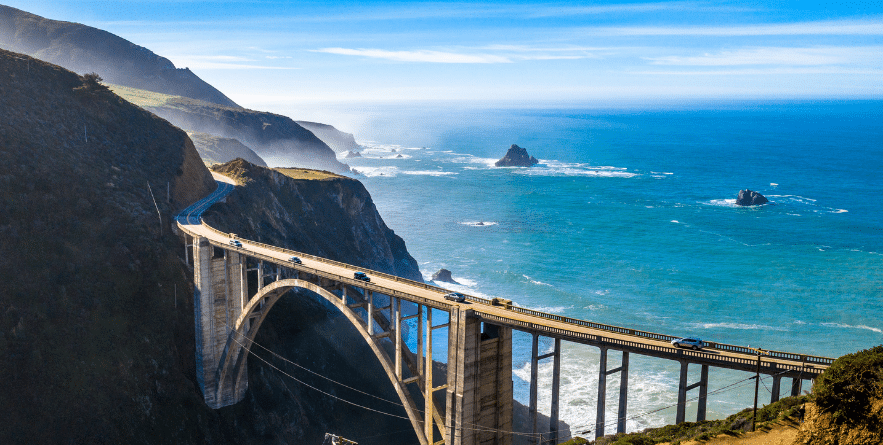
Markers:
630,219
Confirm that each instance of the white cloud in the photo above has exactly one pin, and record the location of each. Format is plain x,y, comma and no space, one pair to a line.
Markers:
827,27
417,56
777,56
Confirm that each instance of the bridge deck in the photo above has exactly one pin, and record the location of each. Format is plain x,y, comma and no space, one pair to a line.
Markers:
575,330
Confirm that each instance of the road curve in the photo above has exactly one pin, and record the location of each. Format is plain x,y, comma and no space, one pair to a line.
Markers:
569,329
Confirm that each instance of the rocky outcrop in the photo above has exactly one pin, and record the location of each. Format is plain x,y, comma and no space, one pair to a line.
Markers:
443,275
334,138
84,49
352,154
333,217
516,157
750,198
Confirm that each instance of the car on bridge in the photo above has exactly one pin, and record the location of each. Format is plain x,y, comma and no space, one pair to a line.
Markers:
362,276
694,343
235,243
455,296
295,260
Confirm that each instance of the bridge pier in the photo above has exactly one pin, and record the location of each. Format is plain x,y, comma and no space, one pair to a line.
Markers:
479,392
220,295
681,415
600,414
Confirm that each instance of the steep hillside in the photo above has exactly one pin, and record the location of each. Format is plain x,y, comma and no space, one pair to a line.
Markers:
277,139
95,336
217,150
84,49
334,138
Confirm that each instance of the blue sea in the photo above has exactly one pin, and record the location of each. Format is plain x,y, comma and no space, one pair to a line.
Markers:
630,219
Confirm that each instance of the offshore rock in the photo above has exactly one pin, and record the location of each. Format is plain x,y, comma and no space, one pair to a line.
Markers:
517,157
750,198
443,275
352,154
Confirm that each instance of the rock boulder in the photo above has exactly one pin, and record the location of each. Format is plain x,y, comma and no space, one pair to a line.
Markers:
443,275
750,198
517,157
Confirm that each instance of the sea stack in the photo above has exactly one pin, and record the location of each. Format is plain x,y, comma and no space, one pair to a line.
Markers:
443,275
750,198
517,157
352,154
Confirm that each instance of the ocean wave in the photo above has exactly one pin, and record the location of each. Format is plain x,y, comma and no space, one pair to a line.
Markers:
722,202
478,223
599,172
428,173
847,326
540,283
742,326
552,309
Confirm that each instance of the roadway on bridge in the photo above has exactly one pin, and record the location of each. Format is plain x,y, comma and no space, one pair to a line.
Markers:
190,221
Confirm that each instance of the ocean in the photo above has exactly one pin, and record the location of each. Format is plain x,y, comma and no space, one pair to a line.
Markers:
630,219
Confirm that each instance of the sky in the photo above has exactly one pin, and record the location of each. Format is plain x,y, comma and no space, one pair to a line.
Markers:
266,53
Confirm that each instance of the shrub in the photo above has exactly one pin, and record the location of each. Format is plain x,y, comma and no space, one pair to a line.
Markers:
847,388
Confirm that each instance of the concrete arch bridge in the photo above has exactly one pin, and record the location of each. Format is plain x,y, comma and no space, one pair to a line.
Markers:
474,404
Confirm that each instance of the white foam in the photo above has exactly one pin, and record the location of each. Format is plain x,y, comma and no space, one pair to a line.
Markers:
742,326
840,211
540,283
599,172
722,202
773,184
675,221
478,223
372,172
429,173
847,326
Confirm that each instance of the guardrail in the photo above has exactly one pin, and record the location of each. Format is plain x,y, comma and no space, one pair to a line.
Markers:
826,361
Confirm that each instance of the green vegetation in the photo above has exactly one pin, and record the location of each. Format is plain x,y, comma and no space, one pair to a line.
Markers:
786,409
848,389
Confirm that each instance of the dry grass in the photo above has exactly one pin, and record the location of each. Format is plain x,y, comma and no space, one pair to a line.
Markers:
305,173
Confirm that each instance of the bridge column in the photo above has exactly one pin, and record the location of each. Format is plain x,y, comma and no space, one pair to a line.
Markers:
479,393
682,395
218,303
777,388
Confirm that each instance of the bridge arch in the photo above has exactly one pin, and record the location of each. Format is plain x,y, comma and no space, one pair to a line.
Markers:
231,373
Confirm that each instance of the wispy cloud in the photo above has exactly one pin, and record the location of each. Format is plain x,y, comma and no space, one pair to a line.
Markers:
827,27
569,11
778,56
417,56
504,54
766,71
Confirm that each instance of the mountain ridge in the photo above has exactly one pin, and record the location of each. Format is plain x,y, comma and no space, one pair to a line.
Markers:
84,49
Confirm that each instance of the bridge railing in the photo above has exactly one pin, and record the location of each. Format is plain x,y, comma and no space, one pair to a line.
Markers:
559,318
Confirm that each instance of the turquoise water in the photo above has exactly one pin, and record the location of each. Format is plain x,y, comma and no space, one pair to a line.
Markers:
629,219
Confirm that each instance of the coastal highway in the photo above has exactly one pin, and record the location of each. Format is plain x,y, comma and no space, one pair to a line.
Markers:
501,312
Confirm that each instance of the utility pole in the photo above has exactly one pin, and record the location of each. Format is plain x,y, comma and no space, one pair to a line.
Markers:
756,386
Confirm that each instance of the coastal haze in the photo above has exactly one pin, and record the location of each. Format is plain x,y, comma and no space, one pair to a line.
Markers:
647,119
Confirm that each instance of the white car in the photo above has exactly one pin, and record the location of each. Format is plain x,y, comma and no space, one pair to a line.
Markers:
235,243
694,343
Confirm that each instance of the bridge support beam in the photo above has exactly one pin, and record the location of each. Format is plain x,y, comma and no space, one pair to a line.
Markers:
796,384
220,286
777,388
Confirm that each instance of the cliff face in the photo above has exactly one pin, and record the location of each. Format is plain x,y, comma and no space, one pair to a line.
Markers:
84,49
336,139
217,150
333,217
96,331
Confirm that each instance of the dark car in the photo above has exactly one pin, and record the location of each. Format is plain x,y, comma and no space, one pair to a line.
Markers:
455,296
295,260
362,276
694,343
235,243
